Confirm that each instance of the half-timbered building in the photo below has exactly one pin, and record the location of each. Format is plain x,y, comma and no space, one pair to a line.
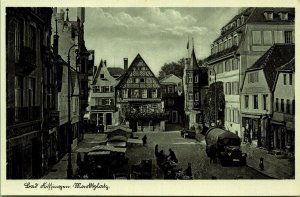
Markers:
139,98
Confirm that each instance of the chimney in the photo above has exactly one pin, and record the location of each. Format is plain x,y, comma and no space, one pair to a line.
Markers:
125,64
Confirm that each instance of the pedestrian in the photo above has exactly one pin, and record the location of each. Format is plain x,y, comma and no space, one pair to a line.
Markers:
144,140
188,170
212,154
172,156
101,128
261,164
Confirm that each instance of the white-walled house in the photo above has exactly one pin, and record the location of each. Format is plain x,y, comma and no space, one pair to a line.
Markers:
257,94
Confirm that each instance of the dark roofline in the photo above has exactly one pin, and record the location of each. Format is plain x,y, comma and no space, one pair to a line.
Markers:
283,71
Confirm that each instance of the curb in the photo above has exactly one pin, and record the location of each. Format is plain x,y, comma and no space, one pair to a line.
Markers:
259,171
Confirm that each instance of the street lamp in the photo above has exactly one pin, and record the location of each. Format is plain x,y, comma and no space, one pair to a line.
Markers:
69,170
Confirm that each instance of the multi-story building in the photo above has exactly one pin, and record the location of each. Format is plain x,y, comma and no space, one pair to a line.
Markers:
28,33
243,40
195,78
282,135
173,98
139,98
257,94
102,97
68,41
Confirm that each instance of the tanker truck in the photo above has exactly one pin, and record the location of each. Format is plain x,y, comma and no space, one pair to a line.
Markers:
224,145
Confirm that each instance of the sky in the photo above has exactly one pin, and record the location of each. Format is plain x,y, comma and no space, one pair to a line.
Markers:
159,35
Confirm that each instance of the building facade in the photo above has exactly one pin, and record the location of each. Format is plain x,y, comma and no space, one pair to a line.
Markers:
282,136
102,97
243,40
139,98
195,79
172,95
257,94
28,32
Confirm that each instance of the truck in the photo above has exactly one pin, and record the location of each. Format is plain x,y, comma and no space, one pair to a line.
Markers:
224,145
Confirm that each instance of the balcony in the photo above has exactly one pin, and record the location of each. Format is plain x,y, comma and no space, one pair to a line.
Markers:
146,116
222,53
22,114
27,61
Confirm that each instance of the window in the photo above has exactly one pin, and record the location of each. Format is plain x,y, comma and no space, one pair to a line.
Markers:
190,78
74,104
227,66
288,106
154,93
144,93
228,88
246,101
18,38
98,101
135,80
197,96
238,22
170,89
136,94
235,40
154,106
106,101
242,19
142,80
288,37
125,93
253,77
31,93
293,107
18,96
255,101
282,105
278,37
268,15
190,96
236,118
267,37
291,79
101,76
196,79
283,16
256,37
284,79
265,101
277,104
235,88
230,42
234,64
105,89
32,37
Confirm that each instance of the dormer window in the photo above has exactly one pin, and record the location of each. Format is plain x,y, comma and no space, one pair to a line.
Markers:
242,19
238,22
283,16
268,16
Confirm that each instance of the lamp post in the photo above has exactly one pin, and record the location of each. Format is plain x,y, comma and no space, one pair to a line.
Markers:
70,169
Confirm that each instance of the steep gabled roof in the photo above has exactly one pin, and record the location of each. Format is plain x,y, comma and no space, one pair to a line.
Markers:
274,58
96,76
167,77
134,63
194,62
115,71
288,67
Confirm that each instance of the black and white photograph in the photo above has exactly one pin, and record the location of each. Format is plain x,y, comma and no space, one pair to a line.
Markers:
106,95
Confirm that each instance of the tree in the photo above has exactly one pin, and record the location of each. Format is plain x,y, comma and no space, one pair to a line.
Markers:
212,108
175,68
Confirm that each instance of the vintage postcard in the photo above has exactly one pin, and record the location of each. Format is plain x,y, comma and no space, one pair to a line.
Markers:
149,98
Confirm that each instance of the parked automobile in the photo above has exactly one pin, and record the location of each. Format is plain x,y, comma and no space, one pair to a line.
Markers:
188,133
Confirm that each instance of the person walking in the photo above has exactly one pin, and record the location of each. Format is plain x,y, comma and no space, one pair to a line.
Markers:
188,170
144,140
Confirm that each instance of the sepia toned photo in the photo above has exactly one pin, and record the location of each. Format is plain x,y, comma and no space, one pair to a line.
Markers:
148,93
